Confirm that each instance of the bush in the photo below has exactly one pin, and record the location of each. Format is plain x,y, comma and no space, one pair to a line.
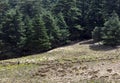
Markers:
96,34
111,31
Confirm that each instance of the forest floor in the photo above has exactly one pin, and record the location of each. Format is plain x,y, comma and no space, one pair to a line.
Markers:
80,62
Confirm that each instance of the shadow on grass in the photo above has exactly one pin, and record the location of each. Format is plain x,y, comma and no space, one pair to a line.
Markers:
8,54
98,47
12,55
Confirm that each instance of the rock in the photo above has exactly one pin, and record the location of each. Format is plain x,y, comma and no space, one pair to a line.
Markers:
115,74
61,70
94,77
77,74
84,68
75,68
109,70
82,73
42,74
103,77
43,70
93,72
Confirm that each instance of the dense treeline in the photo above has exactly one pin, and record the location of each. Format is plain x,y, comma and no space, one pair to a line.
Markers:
34,26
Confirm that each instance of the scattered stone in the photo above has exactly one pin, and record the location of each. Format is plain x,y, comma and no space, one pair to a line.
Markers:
70,71
115,74
42,74
77,74
84,68
95,72
103,64
82,73
63,75
109,70
61,70
43,70
94,77
75,68
103,77
54,68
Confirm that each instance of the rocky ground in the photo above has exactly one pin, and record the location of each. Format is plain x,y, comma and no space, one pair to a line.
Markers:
82,62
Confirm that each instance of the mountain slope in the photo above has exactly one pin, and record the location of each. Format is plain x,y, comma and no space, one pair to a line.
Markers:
79,62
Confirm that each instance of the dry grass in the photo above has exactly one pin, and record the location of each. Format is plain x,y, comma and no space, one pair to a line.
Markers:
82,60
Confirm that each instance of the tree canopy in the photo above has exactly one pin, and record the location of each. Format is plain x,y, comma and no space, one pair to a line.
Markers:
34,26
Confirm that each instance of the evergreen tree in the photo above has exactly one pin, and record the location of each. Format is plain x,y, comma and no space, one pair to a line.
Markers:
40,40
71,15
110,6
111,31
95,15
22,32
64,31
12,33
29,35
97,34
83,6
52,29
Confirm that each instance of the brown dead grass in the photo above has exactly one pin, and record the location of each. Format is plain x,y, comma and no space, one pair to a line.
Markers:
74,63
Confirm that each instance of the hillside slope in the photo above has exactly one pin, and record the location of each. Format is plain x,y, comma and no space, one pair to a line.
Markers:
81,62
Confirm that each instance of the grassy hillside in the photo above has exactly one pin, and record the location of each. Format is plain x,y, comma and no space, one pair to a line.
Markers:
81,62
